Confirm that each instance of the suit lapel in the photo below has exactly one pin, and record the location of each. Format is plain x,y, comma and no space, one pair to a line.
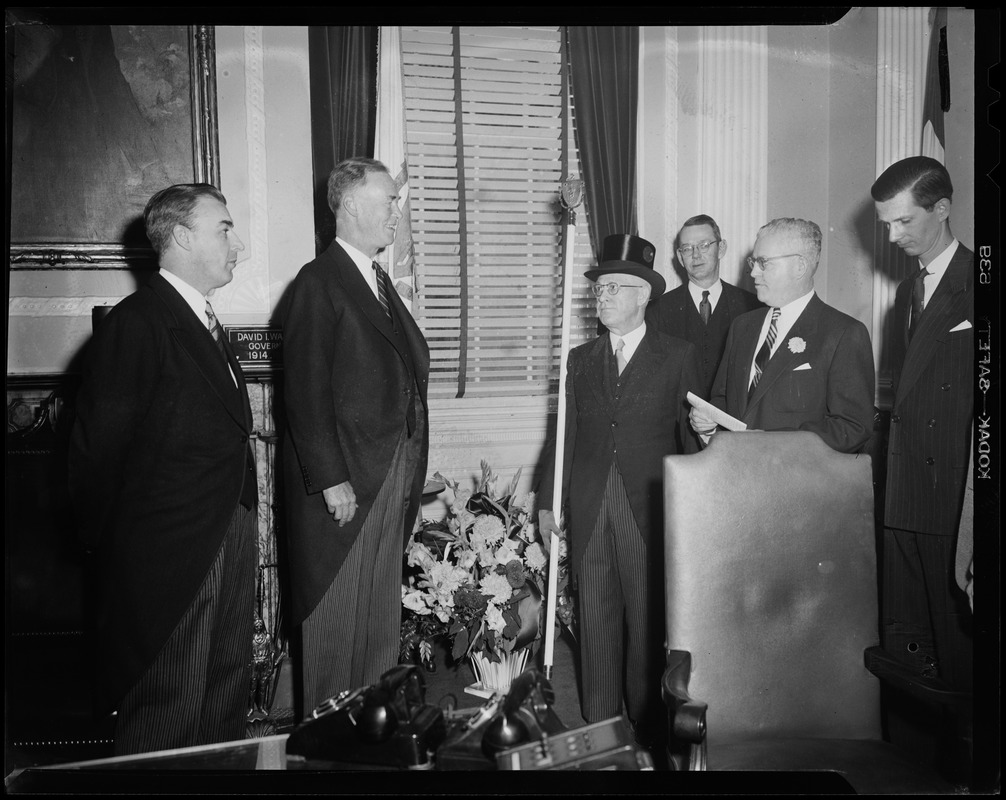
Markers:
784,359
198,344
748,329
596,369
946,309
359,291
643,361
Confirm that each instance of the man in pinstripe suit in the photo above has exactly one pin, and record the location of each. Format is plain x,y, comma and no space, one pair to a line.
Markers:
925,614
162,475
625,411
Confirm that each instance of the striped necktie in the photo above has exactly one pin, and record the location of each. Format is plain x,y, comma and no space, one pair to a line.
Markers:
765,352
382,289
216,331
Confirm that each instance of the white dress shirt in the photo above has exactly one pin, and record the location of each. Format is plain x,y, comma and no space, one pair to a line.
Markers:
196,300
363,263
937,268
631,339
788,314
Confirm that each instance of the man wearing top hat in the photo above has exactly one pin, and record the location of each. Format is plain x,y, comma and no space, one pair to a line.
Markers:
625,411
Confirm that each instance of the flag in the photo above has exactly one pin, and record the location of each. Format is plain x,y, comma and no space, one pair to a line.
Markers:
937,96
390,149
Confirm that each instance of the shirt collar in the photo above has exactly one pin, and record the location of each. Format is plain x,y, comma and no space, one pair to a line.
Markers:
363,263
195,299
788,314
714,292
939,264
631,339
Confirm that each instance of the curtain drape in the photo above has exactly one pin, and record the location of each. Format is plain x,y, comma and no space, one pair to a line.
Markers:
343,68
604,69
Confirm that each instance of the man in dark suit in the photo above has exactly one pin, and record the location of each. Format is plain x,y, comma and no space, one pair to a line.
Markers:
799,364
701,310
625,411
162,473
356,371
925,616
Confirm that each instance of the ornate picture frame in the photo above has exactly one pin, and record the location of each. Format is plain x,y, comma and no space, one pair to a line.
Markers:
103,117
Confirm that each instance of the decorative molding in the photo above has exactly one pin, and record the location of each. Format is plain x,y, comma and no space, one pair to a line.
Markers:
205,127
733,134
57,306
258,184
902,45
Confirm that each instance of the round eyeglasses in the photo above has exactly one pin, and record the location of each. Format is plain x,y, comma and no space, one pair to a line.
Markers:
613,288
763,262
693,249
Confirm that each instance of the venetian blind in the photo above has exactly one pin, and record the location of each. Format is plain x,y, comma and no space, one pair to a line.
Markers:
484,136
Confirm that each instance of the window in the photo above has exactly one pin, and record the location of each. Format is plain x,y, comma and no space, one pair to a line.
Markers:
484,135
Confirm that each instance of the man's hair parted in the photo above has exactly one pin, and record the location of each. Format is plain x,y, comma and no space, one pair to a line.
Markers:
174,206
926,178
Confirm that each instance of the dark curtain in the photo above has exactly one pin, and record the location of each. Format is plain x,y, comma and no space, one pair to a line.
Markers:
604,71
343,108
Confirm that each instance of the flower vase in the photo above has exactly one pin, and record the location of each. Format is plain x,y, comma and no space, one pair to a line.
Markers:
495,677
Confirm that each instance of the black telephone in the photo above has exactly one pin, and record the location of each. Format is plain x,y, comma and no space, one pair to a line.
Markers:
388,723
524,715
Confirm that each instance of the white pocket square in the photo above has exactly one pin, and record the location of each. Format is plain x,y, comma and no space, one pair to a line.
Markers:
962,327
805,365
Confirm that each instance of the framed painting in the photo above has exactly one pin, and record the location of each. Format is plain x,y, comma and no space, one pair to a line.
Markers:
103,116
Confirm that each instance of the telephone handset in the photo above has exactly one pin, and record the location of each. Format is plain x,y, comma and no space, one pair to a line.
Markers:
524,714
386,723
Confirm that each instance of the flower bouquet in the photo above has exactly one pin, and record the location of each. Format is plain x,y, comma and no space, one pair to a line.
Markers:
477,578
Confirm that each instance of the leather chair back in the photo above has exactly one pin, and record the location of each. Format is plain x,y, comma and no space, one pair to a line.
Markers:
771,585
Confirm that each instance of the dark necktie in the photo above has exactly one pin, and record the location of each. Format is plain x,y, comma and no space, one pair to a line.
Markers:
382,289
705,308
918,300
766,350
216,331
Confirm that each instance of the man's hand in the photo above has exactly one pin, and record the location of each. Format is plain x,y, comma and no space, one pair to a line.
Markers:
547,526
701,424
341,502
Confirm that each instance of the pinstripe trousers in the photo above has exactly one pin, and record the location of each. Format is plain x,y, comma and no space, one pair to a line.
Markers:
196,689
621,602
352,636
925,617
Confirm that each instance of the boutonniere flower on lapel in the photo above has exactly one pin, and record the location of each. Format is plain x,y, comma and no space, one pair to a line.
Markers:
796,345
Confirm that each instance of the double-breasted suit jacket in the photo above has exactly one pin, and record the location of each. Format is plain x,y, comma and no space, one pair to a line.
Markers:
675,314
353,381
819,379
159,460
930,438
633,420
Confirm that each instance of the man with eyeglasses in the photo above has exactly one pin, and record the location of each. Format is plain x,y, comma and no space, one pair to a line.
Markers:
799,364
700,311
625,411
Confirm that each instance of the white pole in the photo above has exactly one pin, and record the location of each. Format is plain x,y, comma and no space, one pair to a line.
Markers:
572,195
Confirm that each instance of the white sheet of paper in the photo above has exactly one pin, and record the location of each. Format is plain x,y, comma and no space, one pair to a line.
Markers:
721,418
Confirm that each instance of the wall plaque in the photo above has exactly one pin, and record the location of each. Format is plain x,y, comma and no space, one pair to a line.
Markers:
256,345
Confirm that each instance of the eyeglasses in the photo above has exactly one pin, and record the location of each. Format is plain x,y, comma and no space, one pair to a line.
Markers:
598,288
763,262
692,249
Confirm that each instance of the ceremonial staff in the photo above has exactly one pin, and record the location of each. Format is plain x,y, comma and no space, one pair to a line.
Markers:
571,196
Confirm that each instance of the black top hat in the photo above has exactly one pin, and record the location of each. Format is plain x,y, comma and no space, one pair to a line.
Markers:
629,255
